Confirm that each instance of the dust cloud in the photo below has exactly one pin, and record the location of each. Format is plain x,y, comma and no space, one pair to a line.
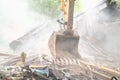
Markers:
99,30
19,21
29,31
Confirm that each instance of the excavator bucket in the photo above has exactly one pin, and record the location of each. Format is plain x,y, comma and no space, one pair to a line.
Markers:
62,45
65,44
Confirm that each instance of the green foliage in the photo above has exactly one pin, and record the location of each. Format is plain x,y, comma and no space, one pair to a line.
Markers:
50,7
118,2
112,1
78,6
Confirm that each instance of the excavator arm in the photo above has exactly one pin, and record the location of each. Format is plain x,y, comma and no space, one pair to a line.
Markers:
65,43
67,6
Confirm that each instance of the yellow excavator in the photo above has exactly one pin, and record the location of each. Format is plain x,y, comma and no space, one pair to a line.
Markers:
65,42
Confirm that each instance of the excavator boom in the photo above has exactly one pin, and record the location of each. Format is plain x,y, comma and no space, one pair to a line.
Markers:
67,6
65,43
